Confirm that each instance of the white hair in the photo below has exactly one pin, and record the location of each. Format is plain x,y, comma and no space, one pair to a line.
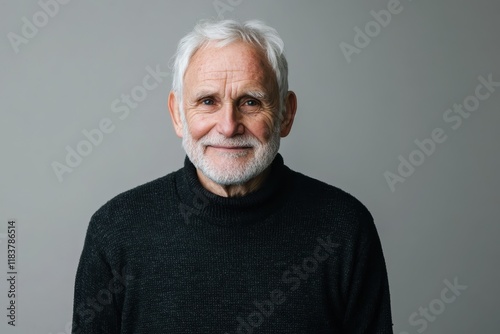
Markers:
226,32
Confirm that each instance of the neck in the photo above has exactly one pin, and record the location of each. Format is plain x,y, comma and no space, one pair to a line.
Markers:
233,190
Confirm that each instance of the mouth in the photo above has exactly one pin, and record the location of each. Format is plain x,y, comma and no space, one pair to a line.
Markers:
229,148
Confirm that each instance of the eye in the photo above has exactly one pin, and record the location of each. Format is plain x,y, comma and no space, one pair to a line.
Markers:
207,102
250,105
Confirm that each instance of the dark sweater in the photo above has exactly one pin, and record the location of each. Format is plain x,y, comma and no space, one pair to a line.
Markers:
295,256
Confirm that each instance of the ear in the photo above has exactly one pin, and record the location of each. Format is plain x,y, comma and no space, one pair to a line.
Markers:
173,107
289,116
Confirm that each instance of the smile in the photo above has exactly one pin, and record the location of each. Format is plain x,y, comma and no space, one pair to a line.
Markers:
229,148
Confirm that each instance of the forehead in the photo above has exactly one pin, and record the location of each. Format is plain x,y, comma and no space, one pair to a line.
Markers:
238,60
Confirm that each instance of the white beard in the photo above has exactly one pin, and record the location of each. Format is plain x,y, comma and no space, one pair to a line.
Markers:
230,171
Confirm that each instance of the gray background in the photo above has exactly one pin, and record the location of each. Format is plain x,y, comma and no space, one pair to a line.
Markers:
354,120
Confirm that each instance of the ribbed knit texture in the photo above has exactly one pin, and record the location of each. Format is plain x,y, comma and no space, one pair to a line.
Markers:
296,256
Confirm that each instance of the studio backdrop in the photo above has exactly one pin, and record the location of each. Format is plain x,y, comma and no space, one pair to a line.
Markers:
398,104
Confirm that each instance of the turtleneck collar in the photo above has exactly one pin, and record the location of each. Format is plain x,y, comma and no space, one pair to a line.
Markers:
204,206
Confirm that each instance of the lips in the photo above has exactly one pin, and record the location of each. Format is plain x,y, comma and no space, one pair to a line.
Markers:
230,147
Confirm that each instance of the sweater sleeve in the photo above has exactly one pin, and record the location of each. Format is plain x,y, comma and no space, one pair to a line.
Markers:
368,307
97,286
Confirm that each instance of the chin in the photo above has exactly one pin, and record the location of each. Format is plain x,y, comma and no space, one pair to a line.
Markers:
231,167
229,170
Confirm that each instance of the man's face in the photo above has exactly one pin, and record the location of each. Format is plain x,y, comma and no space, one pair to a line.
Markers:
230,127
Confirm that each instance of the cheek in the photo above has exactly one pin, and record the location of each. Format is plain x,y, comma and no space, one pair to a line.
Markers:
199,126
261,128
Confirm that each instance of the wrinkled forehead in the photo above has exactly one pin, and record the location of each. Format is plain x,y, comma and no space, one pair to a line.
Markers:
238,60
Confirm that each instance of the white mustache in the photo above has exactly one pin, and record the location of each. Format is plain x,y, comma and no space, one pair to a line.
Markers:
246,141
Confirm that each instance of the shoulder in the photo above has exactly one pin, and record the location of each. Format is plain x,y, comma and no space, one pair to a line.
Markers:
332,205
134,206
316,191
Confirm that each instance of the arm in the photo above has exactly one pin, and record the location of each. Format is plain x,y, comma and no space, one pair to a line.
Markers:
368,308
98,290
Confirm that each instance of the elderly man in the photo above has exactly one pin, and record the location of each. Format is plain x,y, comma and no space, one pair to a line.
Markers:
235,241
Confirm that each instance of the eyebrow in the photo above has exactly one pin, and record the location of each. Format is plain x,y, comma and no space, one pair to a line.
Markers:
257,94
203,93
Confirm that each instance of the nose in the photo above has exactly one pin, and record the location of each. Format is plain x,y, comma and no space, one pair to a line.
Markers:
229,123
